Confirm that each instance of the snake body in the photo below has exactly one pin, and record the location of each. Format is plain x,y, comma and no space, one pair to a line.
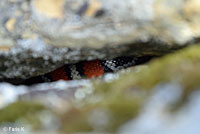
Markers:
86,69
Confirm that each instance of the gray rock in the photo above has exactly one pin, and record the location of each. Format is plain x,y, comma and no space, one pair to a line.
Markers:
123,22
39,35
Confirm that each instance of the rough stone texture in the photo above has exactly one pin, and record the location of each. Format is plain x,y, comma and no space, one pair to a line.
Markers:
123,22
37,36
159,97
162,96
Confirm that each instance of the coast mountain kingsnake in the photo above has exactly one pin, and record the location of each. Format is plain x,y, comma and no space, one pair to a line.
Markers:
87,69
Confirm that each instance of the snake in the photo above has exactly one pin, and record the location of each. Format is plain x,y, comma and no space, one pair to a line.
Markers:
87,69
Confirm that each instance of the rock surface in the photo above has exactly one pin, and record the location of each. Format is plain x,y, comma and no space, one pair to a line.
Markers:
120,22
159,97
151,98
38,35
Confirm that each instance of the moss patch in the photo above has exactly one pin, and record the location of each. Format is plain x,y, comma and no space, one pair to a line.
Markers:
22,110
122,98
181,67
120,110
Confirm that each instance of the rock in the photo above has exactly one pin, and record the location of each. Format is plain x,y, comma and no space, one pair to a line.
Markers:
30,111
54,8
165,92
158,93
155,19
91,29
37,36
10,24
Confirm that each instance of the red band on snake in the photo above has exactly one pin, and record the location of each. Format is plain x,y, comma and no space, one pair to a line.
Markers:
87,69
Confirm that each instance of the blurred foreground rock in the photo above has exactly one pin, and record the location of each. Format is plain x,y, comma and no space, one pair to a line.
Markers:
162,96
37,36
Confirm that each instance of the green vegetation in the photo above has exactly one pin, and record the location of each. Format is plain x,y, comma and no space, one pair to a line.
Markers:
22,110
181,67
121,99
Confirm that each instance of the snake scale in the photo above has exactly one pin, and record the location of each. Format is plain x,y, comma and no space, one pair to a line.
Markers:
87,69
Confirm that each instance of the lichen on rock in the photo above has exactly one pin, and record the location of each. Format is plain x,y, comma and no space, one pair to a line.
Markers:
37,36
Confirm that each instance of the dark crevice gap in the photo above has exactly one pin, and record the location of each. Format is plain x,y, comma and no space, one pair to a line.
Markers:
148,51
40,78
